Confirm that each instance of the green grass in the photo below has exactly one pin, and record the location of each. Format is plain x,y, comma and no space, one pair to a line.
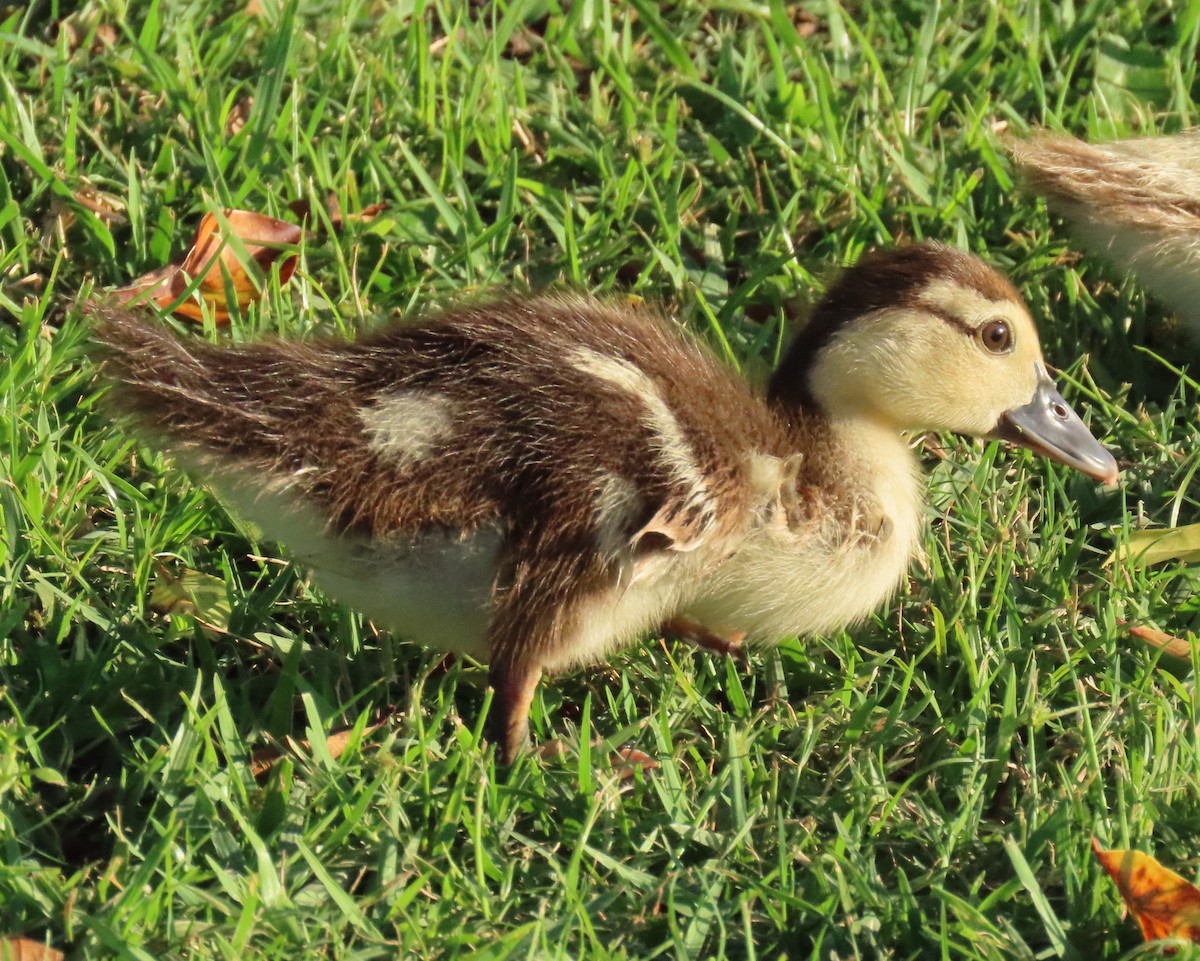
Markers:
925,787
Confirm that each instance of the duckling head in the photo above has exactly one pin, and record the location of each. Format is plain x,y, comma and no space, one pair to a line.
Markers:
926,337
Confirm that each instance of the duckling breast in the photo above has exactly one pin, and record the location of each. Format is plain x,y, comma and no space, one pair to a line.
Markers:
832,556
783,581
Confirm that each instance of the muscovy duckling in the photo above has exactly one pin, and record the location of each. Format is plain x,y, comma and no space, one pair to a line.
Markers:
1135,202
536,481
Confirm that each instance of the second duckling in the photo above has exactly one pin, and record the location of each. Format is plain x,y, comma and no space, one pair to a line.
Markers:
1136,202
537,481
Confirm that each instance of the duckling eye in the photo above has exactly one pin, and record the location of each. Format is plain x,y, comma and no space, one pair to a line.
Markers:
996,337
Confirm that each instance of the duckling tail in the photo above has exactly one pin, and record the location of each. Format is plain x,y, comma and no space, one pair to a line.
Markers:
1135,202
229,399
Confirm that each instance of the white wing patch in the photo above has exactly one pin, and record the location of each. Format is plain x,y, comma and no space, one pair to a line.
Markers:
671,446
405,427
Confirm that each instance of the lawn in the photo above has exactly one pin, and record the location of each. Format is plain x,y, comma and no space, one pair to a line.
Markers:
925,786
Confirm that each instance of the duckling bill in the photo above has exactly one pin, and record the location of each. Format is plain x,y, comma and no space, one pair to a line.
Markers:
537,481
1048,426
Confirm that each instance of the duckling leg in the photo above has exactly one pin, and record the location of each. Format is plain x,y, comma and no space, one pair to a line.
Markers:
545,569
514,682
696,634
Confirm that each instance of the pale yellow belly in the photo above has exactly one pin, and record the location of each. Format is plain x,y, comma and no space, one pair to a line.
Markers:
777,585
435,589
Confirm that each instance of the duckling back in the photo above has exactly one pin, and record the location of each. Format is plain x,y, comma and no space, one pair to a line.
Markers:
491,410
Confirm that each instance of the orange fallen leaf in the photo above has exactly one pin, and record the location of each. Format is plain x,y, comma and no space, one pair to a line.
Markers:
1175,646
221,252
629,760
23,949
1165,905
265,758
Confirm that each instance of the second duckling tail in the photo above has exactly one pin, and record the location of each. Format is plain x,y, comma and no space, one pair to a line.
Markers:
1136,202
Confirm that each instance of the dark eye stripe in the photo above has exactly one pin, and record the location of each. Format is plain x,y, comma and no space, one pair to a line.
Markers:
944,315
963,327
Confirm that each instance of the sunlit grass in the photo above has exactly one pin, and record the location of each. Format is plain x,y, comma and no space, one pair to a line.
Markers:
924,787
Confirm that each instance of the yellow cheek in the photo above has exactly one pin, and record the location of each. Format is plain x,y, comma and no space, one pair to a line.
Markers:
964,389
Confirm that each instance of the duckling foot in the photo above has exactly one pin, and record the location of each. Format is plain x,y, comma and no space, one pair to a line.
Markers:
513,684
696,634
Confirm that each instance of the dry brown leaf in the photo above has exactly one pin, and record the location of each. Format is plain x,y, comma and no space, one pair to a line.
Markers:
337,219
143,285
624,763
23,949
239,113
806,23
1164,904
59,219
214,258
551,750
108,208
265,758
367,214
74,28
523,43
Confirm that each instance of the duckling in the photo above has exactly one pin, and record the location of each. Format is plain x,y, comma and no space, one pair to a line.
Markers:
535,481
1136,202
